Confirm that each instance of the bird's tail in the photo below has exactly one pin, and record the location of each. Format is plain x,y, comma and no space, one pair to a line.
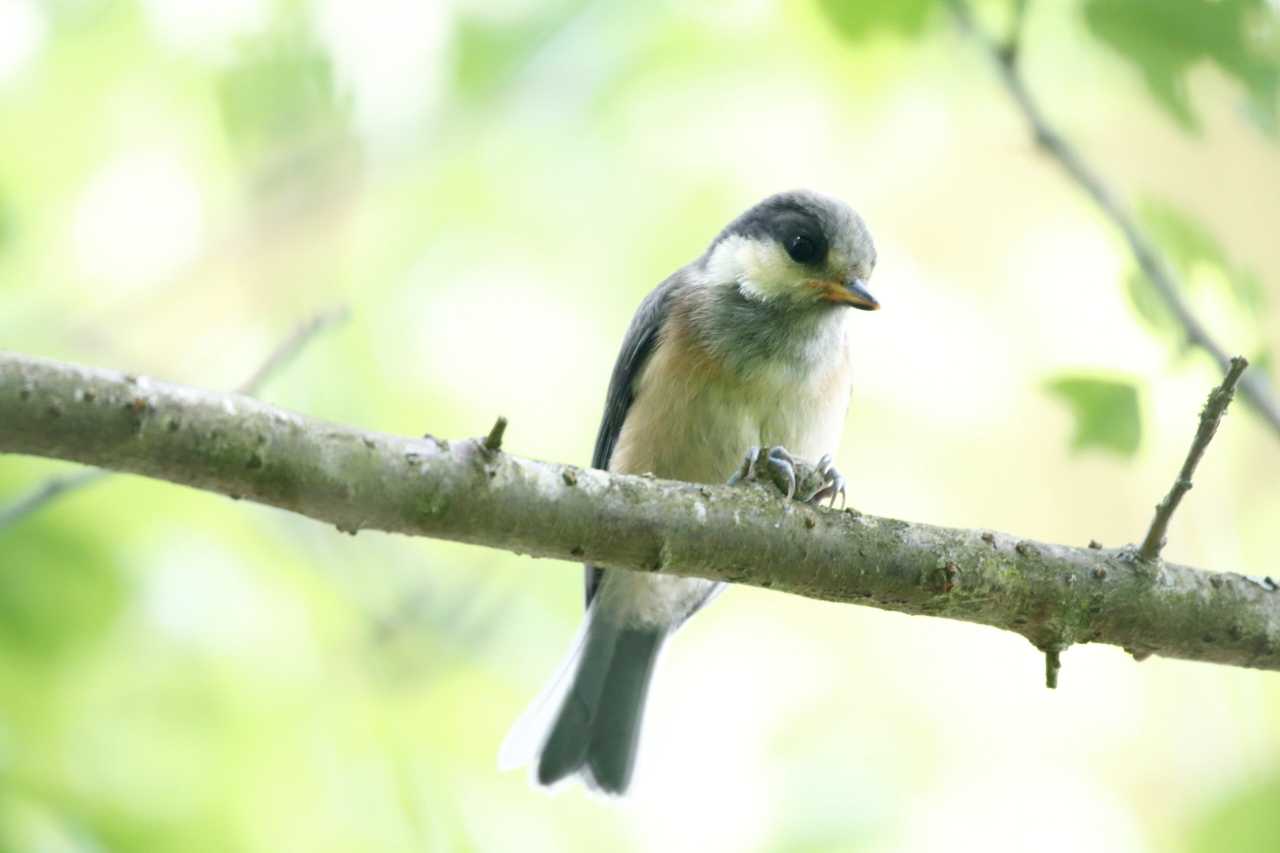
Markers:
595,727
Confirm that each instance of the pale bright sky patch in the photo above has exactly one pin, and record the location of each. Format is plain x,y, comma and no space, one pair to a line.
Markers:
752,129
204,26
199,595
932,348
492,330
22,32
742,16
703,780
913,131
497,11
1069,279
139,220
1053,811
390,54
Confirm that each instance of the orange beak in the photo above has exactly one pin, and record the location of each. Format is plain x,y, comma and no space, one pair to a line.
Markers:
852,292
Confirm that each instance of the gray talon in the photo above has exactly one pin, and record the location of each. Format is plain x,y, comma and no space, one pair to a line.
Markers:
780,452
782,469
833,484
747,470
800,480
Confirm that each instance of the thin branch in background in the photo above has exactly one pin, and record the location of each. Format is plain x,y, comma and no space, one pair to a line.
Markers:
1255,387
290,348
47,492
1009,50
1214,408
55,488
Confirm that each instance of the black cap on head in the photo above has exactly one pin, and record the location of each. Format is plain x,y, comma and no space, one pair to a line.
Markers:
796,220
808,225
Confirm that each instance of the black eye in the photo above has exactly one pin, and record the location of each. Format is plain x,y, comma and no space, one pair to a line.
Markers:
803,249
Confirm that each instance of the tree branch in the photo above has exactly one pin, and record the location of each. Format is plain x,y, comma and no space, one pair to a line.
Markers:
56,487
1054,595
1255,387
1210,416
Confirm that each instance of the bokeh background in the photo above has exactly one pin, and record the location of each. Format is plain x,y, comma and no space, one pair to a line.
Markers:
490,187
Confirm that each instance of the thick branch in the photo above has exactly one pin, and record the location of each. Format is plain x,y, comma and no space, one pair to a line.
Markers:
1255,387
57,487
1214,408
1054,595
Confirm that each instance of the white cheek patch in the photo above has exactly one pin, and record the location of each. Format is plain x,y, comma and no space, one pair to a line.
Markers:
725,264
760,267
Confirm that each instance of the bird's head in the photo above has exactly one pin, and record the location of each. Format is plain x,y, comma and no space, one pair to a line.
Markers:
796,250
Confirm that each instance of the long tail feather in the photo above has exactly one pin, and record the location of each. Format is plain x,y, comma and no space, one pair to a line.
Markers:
596,727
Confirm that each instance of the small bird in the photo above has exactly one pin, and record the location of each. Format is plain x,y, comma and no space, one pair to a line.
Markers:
744,348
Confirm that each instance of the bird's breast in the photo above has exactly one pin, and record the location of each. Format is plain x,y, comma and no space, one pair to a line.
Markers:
694,416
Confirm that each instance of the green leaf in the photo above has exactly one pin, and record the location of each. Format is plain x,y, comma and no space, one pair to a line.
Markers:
1150,307
1264,362
1188,244
1165,39
1246,820
1186,240
489,55
280,94
58,591
1105,411
858,19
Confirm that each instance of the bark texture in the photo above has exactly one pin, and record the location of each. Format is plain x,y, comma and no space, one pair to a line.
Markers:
471,491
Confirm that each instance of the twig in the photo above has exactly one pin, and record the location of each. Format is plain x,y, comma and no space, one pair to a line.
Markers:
1009,51
1255,387
290,347
1053,595
1210,416
493,441
56,487
47,492
1052,666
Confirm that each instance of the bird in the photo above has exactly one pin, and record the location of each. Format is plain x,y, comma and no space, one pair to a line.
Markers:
736,364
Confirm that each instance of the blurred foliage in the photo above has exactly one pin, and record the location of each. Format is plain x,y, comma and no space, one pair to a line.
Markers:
58,591
488,54
6,222
1192,250
858,20
280,93
1105,412
1165,40
1245,822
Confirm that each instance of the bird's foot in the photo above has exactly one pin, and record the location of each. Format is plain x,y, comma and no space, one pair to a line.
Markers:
832,483
795,478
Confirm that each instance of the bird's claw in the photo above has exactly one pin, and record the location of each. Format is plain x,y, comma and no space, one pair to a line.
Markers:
833,483
774,464
794,477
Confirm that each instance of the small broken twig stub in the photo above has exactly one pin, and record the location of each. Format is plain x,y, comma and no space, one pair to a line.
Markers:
1210,416
1052,666
493,441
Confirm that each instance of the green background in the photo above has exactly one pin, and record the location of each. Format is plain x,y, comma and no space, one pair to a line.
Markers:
491,188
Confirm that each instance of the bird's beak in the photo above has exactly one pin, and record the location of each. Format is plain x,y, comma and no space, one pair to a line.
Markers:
852,292
858,295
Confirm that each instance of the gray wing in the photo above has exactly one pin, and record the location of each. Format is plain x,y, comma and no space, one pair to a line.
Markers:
637,346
